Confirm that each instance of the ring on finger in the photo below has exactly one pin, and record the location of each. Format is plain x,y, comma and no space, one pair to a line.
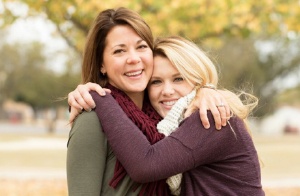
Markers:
221,105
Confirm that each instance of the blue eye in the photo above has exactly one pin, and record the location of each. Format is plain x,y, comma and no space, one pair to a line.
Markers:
155,82
178,79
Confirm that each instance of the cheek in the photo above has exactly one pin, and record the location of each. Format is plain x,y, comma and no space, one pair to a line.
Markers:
153,96
148,59
149,67
184,90
151,93
188,89
115,69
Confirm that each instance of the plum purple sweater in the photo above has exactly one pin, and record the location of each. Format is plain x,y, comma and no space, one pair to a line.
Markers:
212,162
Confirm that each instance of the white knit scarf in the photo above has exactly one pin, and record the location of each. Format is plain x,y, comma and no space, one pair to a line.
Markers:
168,125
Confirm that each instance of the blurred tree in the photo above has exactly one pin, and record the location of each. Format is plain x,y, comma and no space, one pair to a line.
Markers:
198,20
289,97
280,63
230,27
30,81
28,77
260,67
3,76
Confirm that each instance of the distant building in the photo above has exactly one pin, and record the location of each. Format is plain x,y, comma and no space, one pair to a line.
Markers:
17,112
22,112
285,120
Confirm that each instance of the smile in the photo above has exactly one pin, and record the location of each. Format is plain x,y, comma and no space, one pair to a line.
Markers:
136,73
169,103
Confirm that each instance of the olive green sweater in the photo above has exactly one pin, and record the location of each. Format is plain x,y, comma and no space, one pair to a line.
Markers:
91,162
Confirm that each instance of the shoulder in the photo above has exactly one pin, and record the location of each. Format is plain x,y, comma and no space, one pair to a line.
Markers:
88,120
86,127
234,129
100,99
237,124
233,124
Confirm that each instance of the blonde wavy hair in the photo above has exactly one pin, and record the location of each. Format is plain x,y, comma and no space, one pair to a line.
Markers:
197,68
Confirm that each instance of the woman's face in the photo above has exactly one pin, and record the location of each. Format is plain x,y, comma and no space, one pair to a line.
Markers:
127,60
166,86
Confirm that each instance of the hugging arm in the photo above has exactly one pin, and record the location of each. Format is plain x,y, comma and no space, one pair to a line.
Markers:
183,150
206,99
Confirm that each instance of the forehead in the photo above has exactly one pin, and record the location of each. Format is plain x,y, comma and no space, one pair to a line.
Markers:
162,60
163,64
122,33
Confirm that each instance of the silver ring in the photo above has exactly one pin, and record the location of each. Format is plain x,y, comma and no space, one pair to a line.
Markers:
221,105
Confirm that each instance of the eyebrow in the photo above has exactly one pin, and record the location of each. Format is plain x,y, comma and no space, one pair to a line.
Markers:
173,76
123,45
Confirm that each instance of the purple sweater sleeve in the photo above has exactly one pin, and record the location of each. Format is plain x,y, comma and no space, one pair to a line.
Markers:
190,146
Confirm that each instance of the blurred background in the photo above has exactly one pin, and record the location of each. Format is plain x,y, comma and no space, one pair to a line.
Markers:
255,44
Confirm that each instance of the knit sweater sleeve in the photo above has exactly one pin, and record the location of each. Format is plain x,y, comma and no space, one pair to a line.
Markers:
189,146
86,154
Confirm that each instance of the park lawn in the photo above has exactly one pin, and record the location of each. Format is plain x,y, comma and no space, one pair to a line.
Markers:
279,155
33,165
42,159
280,158
32,151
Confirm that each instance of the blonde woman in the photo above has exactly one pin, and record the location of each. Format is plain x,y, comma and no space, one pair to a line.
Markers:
211,162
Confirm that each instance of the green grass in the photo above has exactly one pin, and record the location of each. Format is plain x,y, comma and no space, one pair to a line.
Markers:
39,158
279,154
45,159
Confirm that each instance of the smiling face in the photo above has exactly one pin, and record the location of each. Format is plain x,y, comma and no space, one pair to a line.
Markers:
127,60
166,86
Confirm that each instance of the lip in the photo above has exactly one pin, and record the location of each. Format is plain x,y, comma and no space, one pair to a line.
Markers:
168,104
134,73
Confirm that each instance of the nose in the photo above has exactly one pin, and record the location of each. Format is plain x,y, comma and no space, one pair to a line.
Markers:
133,57
168,89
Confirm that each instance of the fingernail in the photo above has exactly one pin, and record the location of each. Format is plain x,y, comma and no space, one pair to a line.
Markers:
103,93
94,106
206,126
219,128
89,110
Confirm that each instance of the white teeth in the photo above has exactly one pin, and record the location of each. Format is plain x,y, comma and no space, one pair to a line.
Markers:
134,73
169,103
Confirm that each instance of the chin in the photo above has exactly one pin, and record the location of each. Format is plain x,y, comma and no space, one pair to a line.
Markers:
135,90
162,113
139,87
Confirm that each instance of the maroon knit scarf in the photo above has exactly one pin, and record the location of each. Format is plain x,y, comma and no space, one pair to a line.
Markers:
146,120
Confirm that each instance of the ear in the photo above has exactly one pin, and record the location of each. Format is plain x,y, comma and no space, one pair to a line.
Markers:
103,70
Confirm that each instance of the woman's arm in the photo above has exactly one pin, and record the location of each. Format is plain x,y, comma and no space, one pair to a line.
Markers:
86,156
190,146
206,99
